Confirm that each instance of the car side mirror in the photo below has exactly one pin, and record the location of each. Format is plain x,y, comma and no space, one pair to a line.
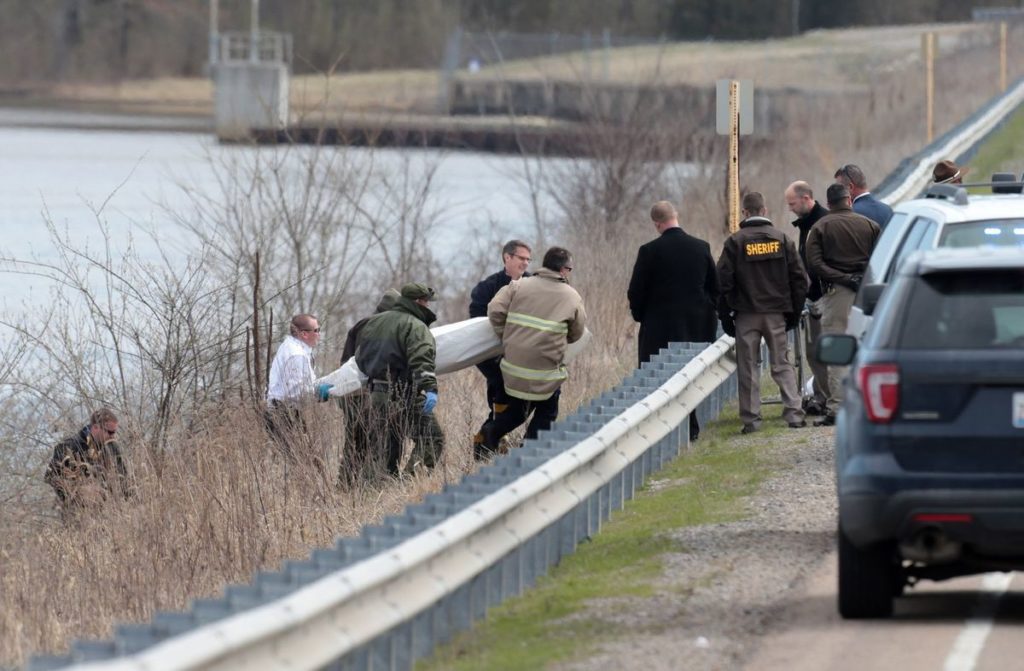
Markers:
870,293
835,349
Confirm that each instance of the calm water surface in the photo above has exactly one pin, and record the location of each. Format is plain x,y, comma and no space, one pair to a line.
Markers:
69,175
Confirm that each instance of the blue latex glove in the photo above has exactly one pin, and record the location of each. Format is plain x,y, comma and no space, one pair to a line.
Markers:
322,391
430,402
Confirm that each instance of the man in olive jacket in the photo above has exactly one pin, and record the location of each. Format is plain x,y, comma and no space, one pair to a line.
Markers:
763,289
673,290
536,318
396,351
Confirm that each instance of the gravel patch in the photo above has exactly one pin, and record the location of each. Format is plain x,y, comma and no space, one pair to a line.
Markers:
714,601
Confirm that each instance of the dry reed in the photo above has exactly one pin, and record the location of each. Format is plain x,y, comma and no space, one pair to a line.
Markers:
220,502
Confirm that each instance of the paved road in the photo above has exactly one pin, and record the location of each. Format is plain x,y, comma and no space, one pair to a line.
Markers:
956,625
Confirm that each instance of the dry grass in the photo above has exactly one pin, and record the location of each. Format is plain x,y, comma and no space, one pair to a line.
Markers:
820,60
817,60
220,504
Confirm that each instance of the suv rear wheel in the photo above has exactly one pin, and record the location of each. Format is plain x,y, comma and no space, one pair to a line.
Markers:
867,577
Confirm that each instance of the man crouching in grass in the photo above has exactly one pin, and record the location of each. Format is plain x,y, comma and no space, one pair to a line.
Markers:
88,466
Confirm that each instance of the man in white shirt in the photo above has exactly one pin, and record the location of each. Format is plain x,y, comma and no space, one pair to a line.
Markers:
291,379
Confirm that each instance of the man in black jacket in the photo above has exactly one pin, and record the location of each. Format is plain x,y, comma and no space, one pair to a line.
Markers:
801,202
88,466
673,290
763,290
515,256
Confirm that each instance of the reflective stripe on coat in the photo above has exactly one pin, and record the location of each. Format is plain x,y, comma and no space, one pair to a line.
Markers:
536,318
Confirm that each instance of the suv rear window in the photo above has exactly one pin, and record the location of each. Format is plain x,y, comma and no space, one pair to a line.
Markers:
998,233
965,310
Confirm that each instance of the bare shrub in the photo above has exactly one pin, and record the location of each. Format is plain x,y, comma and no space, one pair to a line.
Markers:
215,501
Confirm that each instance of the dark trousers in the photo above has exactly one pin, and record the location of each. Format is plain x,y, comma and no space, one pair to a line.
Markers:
515,413
355,463
393,417
497,403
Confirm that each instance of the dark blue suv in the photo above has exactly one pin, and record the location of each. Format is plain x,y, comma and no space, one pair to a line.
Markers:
930,435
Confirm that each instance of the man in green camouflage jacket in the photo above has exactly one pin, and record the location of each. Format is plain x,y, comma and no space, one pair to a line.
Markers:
396,351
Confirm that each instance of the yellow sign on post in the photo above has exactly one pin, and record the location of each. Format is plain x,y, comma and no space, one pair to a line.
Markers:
734,117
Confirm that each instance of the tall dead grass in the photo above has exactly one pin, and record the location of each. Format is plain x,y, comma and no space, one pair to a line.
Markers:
218,502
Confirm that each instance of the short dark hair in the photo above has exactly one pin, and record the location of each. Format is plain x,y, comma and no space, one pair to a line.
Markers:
102,416
753,202
556,258
511,246
854,174
837,192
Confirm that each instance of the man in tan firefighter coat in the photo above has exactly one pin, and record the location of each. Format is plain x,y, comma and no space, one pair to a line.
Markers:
536,318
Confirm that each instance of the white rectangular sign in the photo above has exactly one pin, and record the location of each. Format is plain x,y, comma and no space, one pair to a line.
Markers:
746,106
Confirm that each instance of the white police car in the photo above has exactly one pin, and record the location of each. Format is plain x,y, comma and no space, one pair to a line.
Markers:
946,216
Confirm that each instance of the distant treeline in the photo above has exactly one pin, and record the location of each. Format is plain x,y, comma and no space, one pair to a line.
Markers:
44,40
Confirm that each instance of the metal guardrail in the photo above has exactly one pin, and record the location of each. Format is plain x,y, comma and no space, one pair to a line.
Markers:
389,596
914,173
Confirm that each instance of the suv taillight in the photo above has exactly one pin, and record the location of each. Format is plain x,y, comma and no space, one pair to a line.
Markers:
880,387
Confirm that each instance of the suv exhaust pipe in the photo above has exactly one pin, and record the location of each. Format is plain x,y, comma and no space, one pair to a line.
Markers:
931,545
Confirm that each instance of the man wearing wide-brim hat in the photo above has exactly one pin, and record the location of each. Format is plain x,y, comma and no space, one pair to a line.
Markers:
397,352
947,172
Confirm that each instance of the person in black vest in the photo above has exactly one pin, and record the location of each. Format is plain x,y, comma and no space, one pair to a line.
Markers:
673,290
801,202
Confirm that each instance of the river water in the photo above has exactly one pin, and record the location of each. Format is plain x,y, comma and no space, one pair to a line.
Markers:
132,179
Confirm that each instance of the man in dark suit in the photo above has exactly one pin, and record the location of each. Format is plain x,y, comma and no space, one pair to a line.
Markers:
864,203
673,290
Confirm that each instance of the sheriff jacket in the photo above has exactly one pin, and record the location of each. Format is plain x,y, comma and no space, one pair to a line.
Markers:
760,271
536,318
840,245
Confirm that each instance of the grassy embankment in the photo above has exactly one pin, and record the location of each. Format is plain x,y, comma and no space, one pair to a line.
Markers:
1004,152
221,505
549,622
832,60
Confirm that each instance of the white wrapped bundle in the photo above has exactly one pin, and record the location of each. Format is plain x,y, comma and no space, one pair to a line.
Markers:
459,346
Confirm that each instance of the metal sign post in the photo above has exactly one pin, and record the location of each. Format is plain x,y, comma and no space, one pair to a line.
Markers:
928,49
734,117
734,156
1002,56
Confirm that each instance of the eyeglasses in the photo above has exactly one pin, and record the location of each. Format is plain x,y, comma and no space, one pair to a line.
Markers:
316,330
523,258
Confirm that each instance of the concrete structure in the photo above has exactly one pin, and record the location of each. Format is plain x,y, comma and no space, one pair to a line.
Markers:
251,85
